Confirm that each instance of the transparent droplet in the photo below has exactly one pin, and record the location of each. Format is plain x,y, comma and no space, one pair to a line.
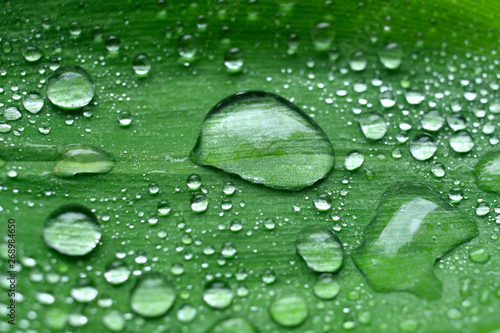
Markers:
323,202
482,209
456,121
320,248
387,99
461,142
33,102
289,310
414,97
164,208
112,43
125,118
75,159
186,313
72,230
353,161
70,88
228,189
84,291
423,147
152,296
358,61
218,295
373,125
479,254
232,325
114,321
233,60
186,46
11,113
391,56
432,121
32,53
326,287
117,272
141,65
293,44
438,170
322,36
199,203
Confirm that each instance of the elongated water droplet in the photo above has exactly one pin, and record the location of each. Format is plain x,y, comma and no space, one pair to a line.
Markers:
218,295
289,310
264,139
373,125
152,296
487,172
11,113
413,227
414,97
353,161
423,147
84,291
186,46
232,325
117,272
320,248
72,230
391,56
199,203
70,88
75,159
323,202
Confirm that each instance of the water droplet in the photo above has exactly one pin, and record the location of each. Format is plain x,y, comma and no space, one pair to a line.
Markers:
32,53
413,227
76,159
114,321
193,182
358,61
199,203
373,125
354,161
84,291
391,56
125,118
33,102
218,295
432,121
283,147
293,44
461,142
11,113
479,254
482,209
289,310
320,248
438,170
423,147
186,46
233,60
487,172
117,273
326,287
322,36
387,99
70,88
112,43
232,325
141,65
414,97
186,313
323,202
456,121
164,208
152,296
228,189
72,230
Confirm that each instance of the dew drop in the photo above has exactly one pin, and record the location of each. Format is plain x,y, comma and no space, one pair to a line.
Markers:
391,56
32,53
326,287
322,36
354,161
152,296
116,273
233,60
141,65
218,295
199,203
186,46
432,121
323,202
70,88
358,61
320,248
373,125
33,102
461,142
232,325
289,310
76,159
422,147
487,172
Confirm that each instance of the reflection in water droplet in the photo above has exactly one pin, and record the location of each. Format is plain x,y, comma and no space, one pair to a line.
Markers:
264,139
72,230
358,61
479,254
233,60
432,121
33,102
293,44
413,227
391,56
373,125
438,170
75,159
326,287
320,248
461,142
289,310
423,147
218,295
322,36
354,161
152,296
193,182
141,65
70,88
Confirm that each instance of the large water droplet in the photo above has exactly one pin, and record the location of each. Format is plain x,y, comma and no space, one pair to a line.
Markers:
391,56
423,147
289,310
322,36
326,287
413,227
33,102
232,325
70,88
432,121
75,159
353,161
320,248
487,172
218,295
373,125
152,296
72,230
461,142
264,139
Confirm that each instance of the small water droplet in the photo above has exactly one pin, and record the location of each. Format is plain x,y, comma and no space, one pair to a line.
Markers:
320,248
76,159
373,125
186,46
32,53
125,118
414,97
218,295
423,147
322,36
233,60
33,102
354,161
117,272
84,291
326,287
199,203
358,61
432,121
323,202
141,65
391,56
11,113
112,43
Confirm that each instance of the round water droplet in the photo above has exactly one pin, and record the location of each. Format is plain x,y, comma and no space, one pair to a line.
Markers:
186,313
482,209
193,182
461,142
164,208
438,170
33,102
141,65
387,99
456,121
354,161
487,172
232,325
11,113
186,46
326,287
289,310
75,159
117,273
322,36
264,139
358,61
423,147
114,321
391,56
228,189
125,118
32,53
112,43
72,230
479,254
84,291
432,121
70,88
320,248
152,296
218,295
414,97
233,60
373,125
323,202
